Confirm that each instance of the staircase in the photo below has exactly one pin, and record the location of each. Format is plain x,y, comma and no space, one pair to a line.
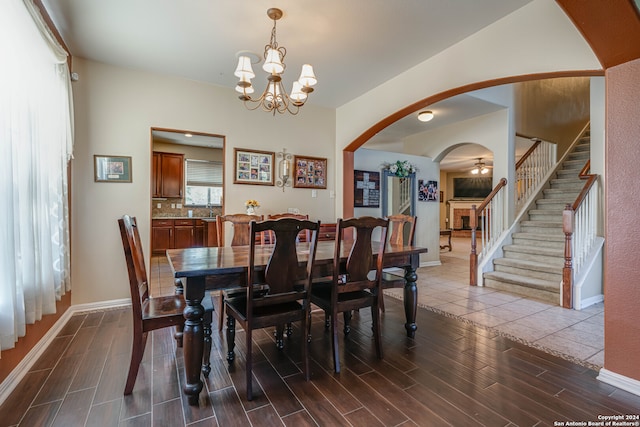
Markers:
532,264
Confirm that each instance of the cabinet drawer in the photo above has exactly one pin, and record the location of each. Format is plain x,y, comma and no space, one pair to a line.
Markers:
162,223
183,222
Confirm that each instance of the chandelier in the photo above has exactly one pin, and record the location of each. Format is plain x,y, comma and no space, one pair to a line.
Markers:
479,167
274,98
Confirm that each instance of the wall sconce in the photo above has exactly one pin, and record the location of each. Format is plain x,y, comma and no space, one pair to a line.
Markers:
284,169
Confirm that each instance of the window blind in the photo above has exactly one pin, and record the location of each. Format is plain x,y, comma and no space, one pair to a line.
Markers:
203,173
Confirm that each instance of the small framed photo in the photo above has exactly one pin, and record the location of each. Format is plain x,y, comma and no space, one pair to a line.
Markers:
428,191
309,172
112,168
253,167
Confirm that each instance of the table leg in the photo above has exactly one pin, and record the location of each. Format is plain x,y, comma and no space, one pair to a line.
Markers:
193,337
410,300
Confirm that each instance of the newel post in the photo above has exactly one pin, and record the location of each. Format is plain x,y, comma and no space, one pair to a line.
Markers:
567,270
473,258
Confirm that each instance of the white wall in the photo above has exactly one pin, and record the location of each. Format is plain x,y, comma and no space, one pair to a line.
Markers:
114,111
428,213
536,38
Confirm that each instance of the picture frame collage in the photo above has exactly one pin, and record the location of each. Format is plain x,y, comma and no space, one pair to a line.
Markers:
258,167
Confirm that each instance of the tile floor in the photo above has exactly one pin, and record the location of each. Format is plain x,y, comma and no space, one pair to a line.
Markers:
574,335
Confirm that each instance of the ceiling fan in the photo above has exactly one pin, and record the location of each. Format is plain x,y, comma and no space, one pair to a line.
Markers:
479,167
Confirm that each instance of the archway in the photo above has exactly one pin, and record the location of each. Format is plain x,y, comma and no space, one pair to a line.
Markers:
348,151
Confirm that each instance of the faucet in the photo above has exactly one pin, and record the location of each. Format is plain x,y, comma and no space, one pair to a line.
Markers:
210,206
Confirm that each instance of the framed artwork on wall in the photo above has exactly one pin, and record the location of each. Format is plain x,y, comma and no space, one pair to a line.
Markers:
112,168
427,192
252,166
366,189
310,172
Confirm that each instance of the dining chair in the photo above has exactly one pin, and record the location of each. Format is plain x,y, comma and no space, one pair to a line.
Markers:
149,313
355,284
403,228
240,225
304,236
288,280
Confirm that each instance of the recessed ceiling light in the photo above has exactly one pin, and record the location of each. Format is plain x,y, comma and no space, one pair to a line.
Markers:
188,135
425,116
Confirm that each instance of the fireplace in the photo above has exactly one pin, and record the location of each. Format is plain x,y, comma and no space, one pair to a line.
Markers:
466,224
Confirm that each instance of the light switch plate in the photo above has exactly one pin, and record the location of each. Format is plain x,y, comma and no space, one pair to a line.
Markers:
159,205
314,193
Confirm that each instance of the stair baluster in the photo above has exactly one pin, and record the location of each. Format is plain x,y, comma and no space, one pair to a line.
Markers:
492,214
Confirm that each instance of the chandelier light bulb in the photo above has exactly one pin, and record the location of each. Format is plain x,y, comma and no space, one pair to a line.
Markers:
244,70
307,78
297,95
273,63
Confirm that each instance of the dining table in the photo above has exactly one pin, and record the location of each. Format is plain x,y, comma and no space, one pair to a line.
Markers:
219,268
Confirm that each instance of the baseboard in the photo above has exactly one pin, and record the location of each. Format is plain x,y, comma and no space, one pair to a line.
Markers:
620,381
430,263
18,373
591,301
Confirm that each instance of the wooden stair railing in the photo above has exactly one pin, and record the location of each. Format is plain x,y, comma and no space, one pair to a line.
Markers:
568,228
531,169
473,222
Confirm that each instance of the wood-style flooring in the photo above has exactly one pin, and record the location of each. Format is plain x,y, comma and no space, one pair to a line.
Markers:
452,373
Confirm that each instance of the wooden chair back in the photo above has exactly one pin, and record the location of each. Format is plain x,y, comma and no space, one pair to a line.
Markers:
132,245
398,224
304,235
240,223
287,278
355,274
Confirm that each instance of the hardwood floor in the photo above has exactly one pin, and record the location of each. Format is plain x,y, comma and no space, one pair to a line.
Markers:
452,373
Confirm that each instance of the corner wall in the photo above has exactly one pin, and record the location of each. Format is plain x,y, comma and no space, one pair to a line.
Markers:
622,192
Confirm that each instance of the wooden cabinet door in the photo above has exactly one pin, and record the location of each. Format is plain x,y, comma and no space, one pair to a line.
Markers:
210,234
172,167
161,236
198,236
156,183
183,233
184,237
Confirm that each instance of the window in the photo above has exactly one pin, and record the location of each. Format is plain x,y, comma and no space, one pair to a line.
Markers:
204,183
36,144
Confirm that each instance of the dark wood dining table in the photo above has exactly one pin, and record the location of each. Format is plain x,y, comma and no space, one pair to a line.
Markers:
214,268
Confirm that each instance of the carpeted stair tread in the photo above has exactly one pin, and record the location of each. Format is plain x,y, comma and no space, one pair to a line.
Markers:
528,265
529,282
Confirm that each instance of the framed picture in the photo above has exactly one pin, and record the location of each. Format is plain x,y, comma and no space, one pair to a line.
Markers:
427,192
112,168
253,167
366,189
310,172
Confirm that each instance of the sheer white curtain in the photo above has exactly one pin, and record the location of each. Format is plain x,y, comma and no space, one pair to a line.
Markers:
36,136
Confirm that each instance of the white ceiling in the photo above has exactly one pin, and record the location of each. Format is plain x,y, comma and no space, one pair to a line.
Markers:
353,45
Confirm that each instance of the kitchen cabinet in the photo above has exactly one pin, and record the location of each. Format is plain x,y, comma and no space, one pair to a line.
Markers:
183,233
168,175
161,235
198,240
180,233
